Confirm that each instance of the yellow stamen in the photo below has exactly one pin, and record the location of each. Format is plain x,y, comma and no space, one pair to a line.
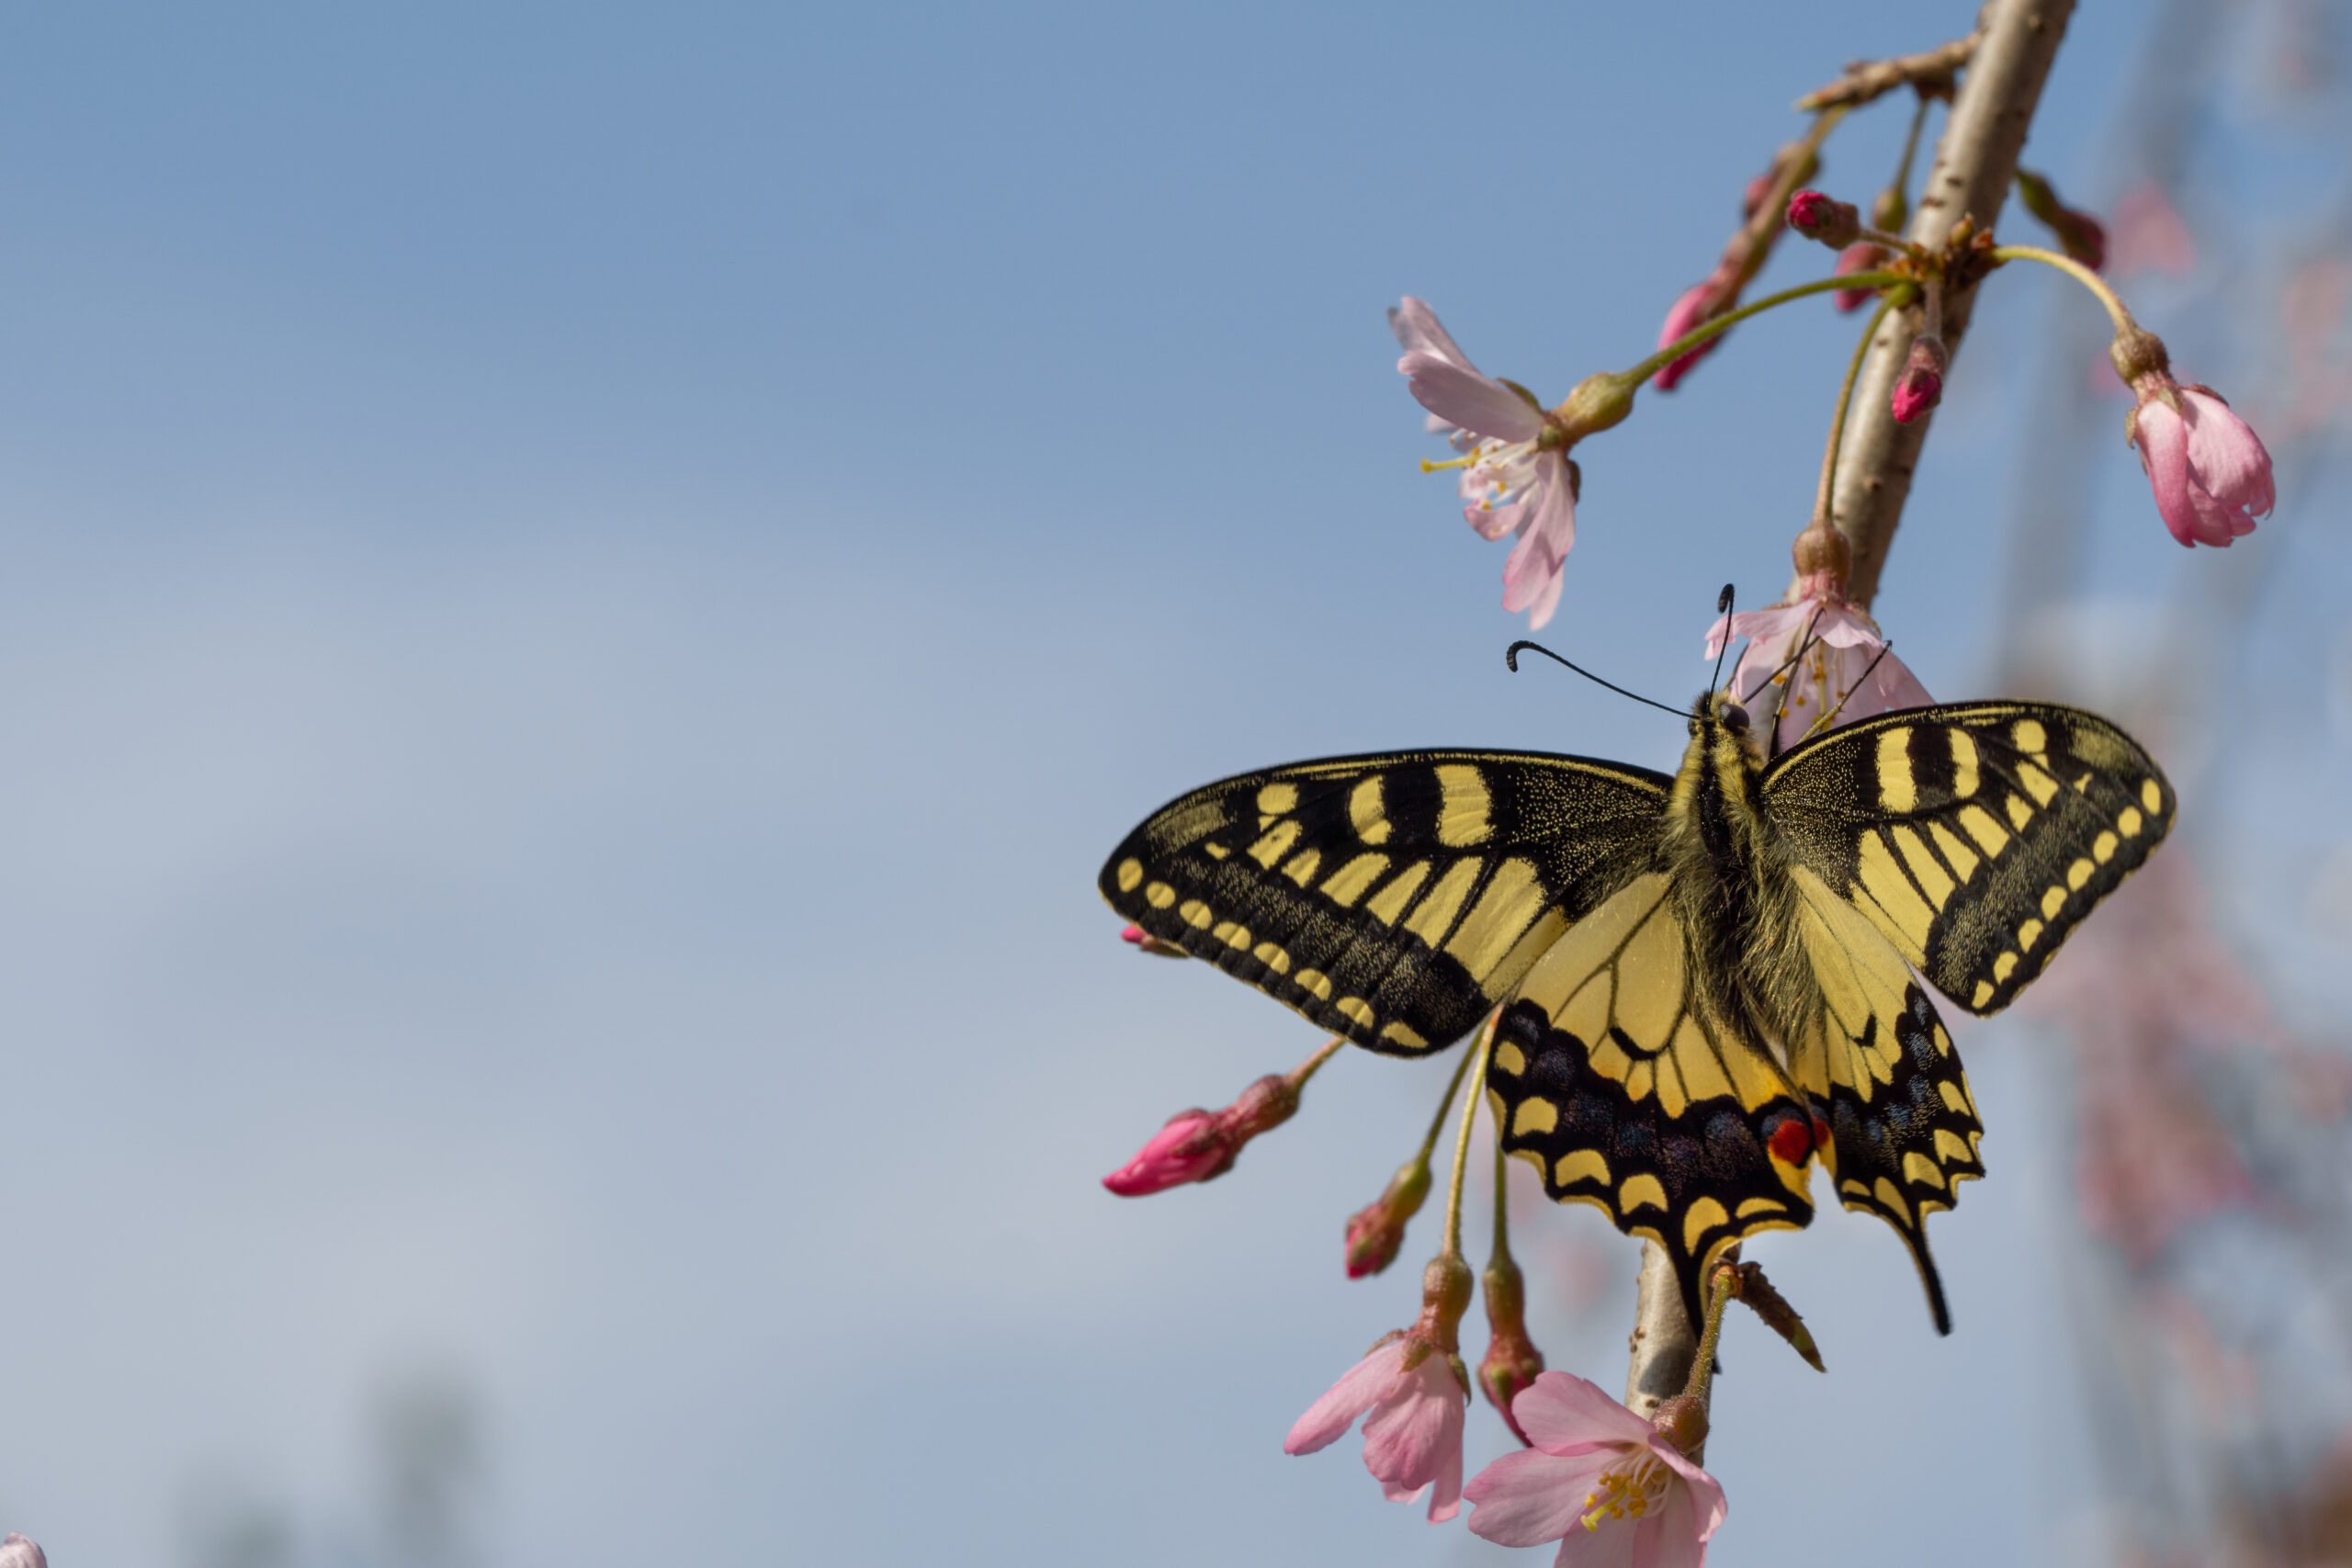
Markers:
1430,467
1628,1490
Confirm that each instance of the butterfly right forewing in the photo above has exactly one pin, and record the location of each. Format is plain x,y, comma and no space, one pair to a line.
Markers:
1976,836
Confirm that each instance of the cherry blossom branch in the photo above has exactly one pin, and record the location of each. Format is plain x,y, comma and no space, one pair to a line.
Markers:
1730,319
1875,78
1975,160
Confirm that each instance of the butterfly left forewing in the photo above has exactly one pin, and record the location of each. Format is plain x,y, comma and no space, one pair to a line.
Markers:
1393,898
1609,1079
1976,836
1903,1127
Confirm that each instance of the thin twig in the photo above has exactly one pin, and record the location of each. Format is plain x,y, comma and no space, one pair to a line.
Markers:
1870,79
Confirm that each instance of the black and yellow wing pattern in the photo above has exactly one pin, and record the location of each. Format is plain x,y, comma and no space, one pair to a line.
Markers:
1964,841
1393,898
1974,835
1398,900
1612,1079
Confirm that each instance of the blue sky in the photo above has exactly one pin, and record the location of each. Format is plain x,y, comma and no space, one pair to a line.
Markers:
586,587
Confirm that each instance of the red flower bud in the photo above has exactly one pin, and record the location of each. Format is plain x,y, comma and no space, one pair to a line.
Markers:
1920,387
1145,942
1200,1145
1819,216
1512,1360
1860,257
1377,1230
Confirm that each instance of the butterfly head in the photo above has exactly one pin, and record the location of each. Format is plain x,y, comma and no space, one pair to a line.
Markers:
1720,729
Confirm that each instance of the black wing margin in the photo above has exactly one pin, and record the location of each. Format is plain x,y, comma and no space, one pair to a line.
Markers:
1393,898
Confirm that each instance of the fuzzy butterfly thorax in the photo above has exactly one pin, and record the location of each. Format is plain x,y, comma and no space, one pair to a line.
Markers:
1705,986
1731,882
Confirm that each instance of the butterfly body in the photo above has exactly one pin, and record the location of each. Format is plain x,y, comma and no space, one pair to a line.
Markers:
1703,985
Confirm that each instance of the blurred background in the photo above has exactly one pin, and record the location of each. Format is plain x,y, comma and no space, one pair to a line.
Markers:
585,588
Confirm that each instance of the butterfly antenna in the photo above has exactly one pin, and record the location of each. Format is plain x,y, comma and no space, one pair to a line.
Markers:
1831,717
1510,659
1723,608
1781,709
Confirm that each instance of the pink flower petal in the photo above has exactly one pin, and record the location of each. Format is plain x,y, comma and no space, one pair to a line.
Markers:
1529,570
1359,1388
2226,455
1446,1501
1562,1413
1493,522
1469,399
1531,1496
1416,327
1610,1546
2162,440
1539,615
1412,1429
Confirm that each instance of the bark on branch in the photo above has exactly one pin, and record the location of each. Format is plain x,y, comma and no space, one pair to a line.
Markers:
1975,161
1870,79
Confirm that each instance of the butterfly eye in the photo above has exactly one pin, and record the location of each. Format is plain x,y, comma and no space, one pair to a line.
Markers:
1735,719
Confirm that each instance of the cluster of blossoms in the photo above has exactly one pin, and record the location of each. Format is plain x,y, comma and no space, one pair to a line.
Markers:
2209,473
1608,1483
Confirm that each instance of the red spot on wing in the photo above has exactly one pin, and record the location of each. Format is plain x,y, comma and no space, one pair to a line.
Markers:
1792,1141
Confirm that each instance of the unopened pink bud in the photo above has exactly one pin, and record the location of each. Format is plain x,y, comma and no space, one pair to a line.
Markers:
1512,1360
1376,1231
1920,387
2081,235
1817,216
1859,257
1696,303
1144,942
18,1552
1190,1148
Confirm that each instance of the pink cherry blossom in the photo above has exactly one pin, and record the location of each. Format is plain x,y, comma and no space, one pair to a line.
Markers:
18,1552
2209,471
1839,644
1599,1480
1413,1439
1516,475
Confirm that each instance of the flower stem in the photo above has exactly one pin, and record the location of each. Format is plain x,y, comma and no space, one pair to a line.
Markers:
1297,1076
2115,311
1503,1214
1822,499
1452,1086
1729,319
1719,1293
1462,1143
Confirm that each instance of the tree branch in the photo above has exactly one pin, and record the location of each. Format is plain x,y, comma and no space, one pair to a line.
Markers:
2008,61
1867,79
1975,161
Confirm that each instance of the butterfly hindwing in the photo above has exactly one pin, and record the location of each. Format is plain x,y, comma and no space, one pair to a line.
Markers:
1974,835
1608,1076
1393,898
1902,1126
